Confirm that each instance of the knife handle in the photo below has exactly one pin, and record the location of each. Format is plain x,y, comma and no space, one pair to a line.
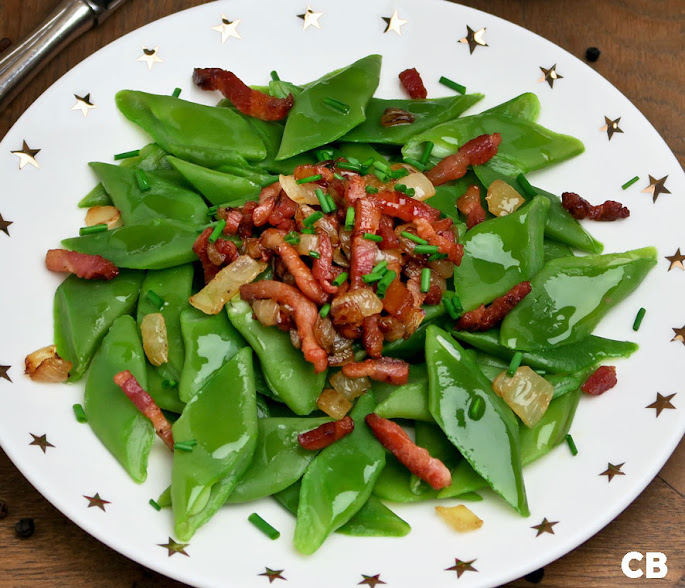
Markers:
68,21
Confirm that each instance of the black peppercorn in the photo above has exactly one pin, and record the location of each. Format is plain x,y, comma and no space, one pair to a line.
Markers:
25,528
592,54
3,509
536,576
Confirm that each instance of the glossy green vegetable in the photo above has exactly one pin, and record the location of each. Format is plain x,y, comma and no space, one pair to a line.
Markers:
395,485
96,197
121,427
446,196
408,401
338,481
164,199
157,244
200,134
554,249
571,295
311,123
222,419
487,438
285,369
500,253
84,310
174,286
210,341
412,349
427,114
279,460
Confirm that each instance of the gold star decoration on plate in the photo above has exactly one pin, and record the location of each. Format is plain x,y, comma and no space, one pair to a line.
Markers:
310,18
172,547
545,527
3,372
394,23
656,187
550,75
474,38
273,574
96,501
150,56
371,580
611,126
4,227
679,335
662,403
612,471
26,155
676,259
462,566
83,104
227,28
41,442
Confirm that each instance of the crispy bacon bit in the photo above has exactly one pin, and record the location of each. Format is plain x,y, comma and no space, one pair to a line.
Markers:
88,267
413,84
45,365
470,205
387,231
454,251
267,202
146,405
603,379
393,117
245,99
372,337
484,319
475,152
200,249
367,220
306,171
385,369
579,208
304,310
322,268
283,212
404,207
326,434
354,190
416,459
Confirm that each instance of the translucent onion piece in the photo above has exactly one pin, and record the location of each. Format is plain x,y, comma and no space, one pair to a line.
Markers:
295,338
108,215
266,312
442,267
350,388
460,518
423,187
334,404
215,256
528,394
155,342
225,285
45,365
307,243
502,199
300,193
339,258
353,306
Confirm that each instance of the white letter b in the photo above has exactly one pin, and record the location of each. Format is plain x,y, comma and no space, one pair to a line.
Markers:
656,565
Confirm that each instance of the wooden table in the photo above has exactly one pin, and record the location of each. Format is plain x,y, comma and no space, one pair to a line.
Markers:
642,55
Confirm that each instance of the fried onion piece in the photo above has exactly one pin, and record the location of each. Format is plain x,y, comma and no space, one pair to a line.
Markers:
45,365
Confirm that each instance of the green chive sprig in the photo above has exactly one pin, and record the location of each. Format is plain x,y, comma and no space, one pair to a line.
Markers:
185,445
292,237
415,162
312,218
371,190
477,408
340,280
413,237
315,254
425,279
218,230
155,298
638,319
514,364
263,526
438,256
325,309
274,76
571,445
127,155
453,85
427,150
176,93
385,282
314,178
349,218
153,503
425,249
346,165
372,237
337,176
336,105
79,413
630,182
101,228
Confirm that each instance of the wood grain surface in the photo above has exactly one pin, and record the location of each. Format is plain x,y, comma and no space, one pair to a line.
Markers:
642,55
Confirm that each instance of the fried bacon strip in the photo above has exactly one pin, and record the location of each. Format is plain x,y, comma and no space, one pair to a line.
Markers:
283,212
245,99
322,268
88,267
305,312
367,219
267,202
603,379
326,434
386,230
405,207
454,251
470,205
386,369
372,336
485,318
213,256
416,459
475,152
580,209
146,405
413,84
355,189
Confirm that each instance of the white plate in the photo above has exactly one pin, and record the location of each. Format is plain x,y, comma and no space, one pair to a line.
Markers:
616,428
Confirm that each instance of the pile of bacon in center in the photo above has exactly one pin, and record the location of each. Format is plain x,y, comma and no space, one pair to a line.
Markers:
354,257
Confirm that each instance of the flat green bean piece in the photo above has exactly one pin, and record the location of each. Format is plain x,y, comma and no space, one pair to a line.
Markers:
408,401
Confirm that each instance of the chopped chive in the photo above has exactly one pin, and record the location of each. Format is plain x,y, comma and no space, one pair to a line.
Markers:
371,190
322,200
372,237
372,277
263,526
400,188
399,173
209,226
154,504
413,237
638,319
307,231
382,166
274,76
312,218
337,176
383,177
381,266
630,182
176,93
324,154
354,161
449,305
425,279
515,363
427,150
331,203
155,298
426,249
477,408
438,256
336,105
571,444
410,191
314,178
385,282
456,303
79,413
325,309
101,228
141,178
540,372
292,237
453,85
368,162
349,219
127,155
315,254
168,384
212,210
417,164
185,445
218,230
528,190
348,166
340,280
